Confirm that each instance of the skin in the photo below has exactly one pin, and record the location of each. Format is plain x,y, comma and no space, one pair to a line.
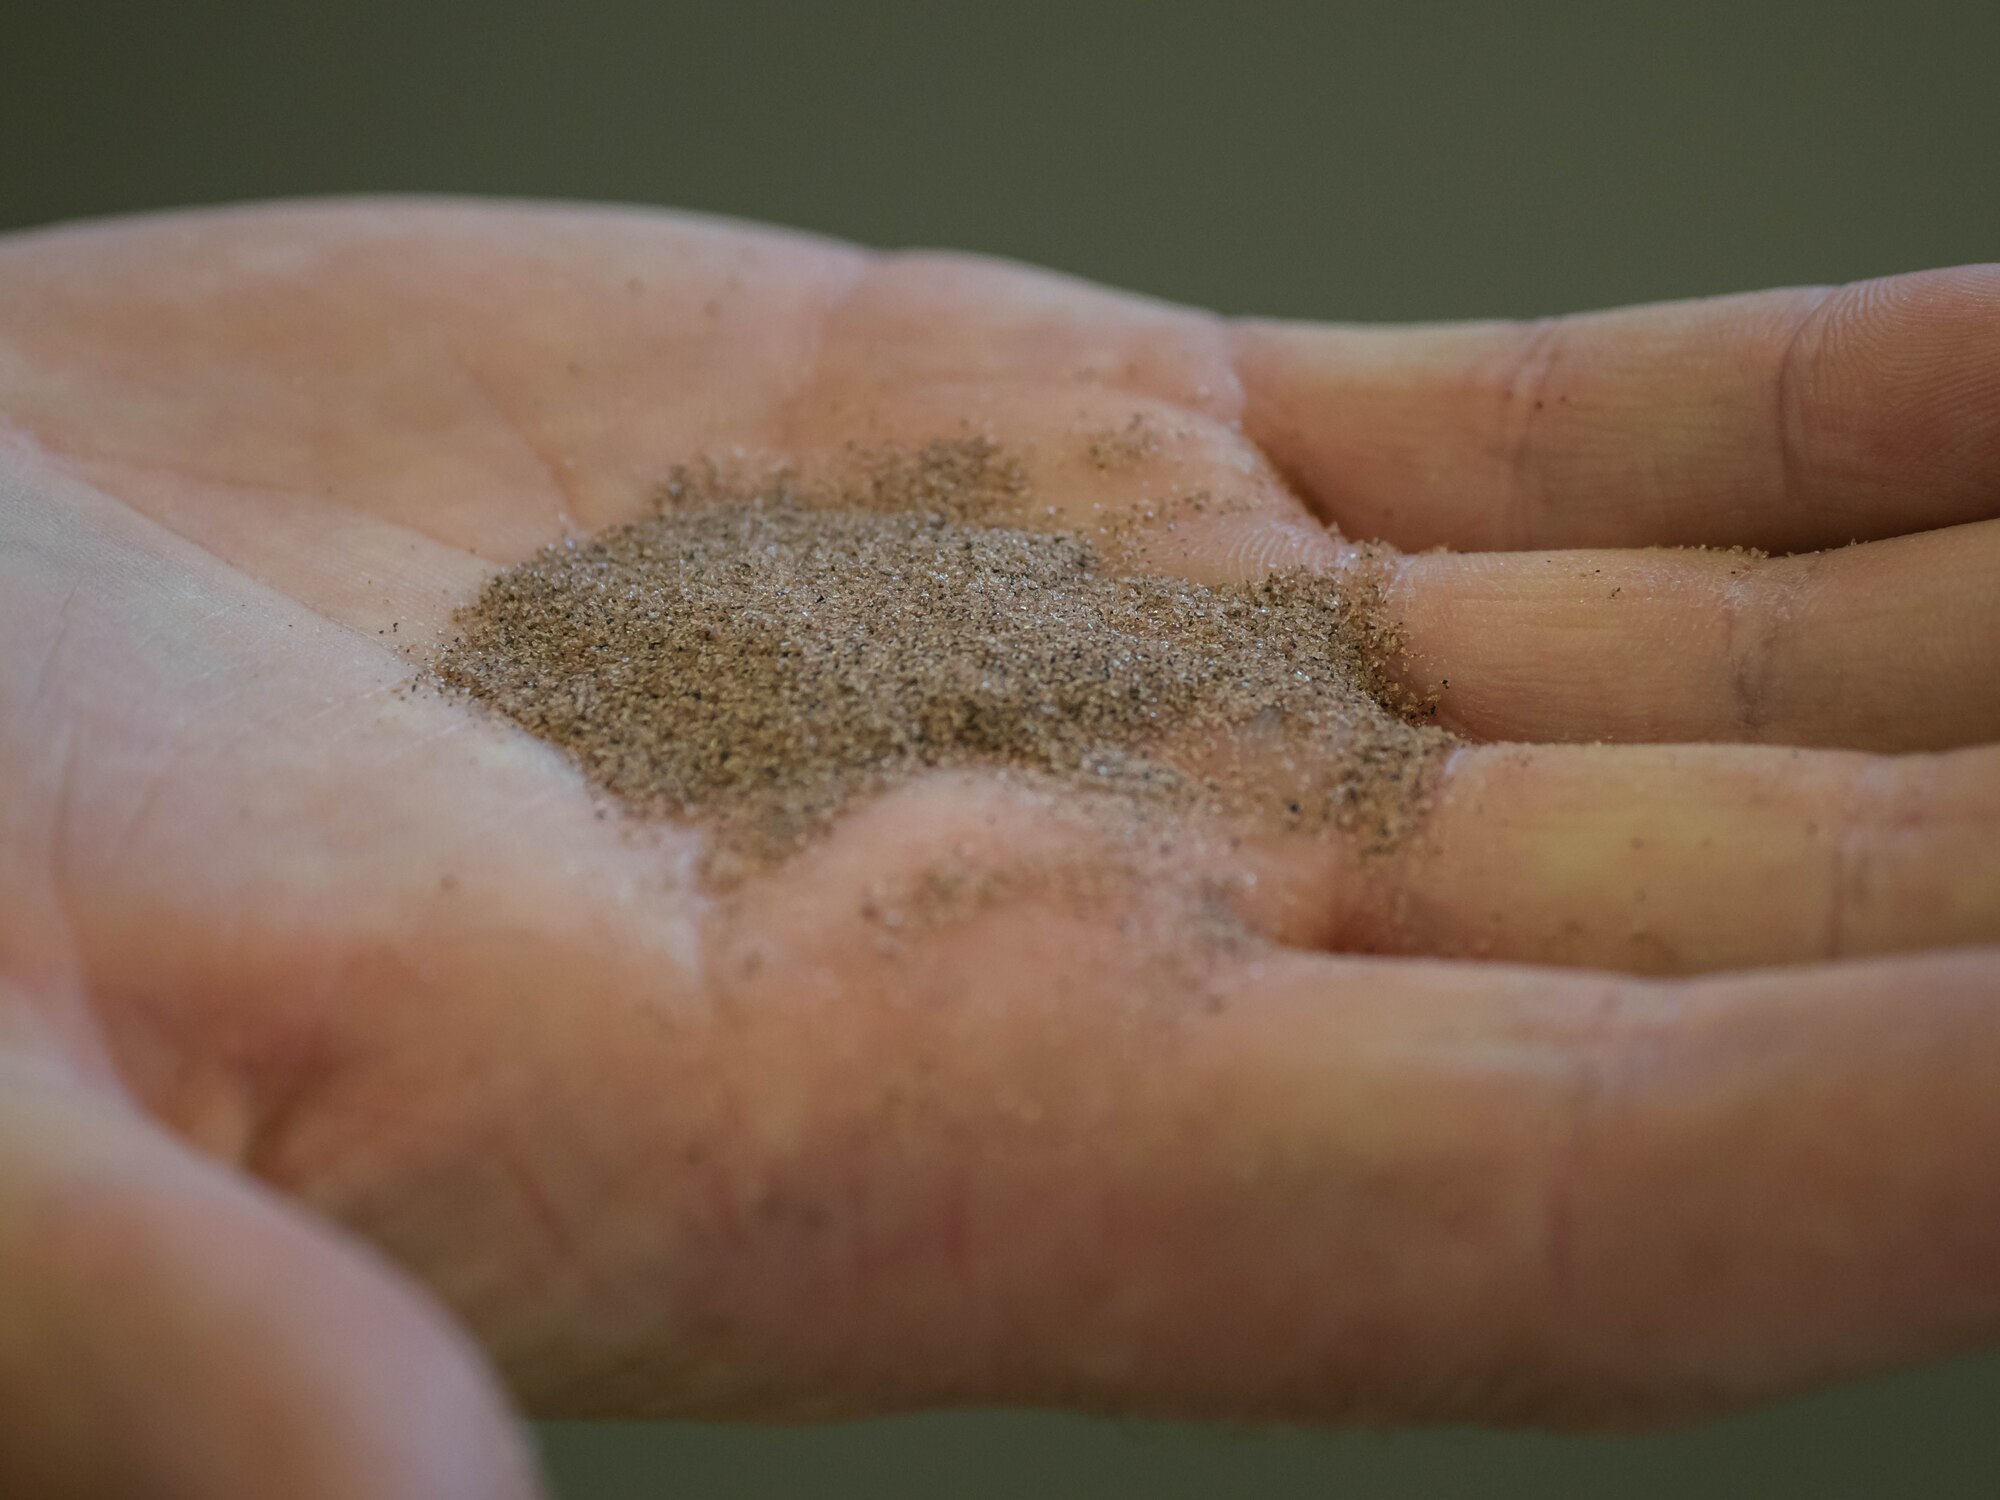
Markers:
356,1065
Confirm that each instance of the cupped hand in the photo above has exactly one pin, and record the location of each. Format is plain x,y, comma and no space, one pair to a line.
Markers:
1651,1075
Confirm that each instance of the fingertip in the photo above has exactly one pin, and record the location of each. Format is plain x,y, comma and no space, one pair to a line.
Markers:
1895,386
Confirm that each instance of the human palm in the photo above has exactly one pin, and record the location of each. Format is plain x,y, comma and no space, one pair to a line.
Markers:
1645,1077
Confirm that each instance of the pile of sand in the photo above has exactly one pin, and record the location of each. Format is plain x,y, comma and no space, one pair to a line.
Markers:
762,652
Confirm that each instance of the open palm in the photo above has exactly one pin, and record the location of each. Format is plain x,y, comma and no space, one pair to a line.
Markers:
1480,1128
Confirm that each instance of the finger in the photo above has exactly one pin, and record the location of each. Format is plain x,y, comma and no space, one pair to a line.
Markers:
1785,420
167,1331
1467,1192
1887,646
1669,859
1020,1162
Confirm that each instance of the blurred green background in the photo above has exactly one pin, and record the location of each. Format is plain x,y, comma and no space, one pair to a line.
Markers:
1393,161
1378,161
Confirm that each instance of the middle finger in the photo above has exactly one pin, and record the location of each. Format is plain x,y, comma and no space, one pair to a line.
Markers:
1662,859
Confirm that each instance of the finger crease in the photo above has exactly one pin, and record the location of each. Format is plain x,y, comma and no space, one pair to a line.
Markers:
1523,397
1790,386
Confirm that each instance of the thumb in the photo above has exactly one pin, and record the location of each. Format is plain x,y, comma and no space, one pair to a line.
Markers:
168,1329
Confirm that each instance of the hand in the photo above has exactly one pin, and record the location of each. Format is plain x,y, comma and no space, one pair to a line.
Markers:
1652,1076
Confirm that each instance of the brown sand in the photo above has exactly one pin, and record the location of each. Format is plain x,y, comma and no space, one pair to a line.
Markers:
762,652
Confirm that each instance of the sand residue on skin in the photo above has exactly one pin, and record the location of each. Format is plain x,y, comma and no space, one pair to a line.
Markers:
764,651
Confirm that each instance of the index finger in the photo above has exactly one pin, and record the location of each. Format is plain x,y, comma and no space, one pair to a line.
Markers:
1563,1197
1786,420
1321,1188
